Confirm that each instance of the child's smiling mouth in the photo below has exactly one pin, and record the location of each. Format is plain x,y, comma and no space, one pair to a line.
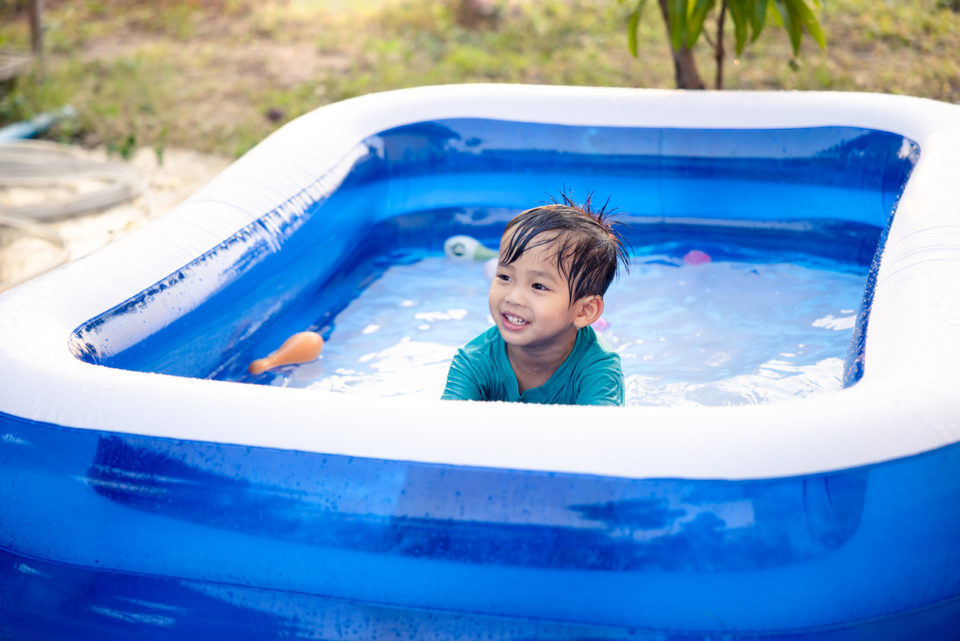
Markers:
513,322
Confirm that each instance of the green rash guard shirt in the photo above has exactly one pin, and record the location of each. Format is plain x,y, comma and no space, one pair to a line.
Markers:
481,371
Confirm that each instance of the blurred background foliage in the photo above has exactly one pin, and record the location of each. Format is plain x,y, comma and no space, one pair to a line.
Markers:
220,75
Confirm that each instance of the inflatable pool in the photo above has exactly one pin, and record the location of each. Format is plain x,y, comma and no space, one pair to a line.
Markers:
141,499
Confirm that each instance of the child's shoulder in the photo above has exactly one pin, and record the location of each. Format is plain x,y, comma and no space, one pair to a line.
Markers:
592,347
484,341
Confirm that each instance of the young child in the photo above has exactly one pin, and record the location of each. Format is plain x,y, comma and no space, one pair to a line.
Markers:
554,267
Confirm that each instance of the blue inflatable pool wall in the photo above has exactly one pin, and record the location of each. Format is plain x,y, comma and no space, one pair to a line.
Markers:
139,500
826,190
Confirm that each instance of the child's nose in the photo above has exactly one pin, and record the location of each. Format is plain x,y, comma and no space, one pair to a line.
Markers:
516,295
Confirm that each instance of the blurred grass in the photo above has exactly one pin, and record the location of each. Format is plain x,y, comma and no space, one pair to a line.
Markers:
219,75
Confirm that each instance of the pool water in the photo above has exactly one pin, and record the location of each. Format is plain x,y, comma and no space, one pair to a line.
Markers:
748,326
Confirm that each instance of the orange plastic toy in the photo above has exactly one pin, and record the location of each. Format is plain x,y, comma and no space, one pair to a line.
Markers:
302,347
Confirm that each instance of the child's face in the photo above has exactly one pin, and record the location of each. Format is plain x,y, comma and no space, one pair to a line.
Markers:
530,301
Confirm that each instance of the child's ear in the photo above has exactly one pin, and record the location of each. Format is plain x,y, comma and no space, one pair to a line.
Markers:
589,309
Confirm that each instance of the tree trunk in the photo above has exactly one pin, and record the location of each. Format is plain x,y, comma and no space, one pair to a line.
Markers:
684,65
474,14
36,35
719,51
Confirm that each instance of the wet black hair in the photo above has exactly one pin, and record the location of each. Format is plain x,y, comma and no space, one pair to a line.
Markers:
590,246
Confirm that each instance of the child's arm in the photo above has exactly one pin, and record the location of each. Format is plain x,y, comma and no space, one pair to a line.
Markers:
463,381
605,390
602,383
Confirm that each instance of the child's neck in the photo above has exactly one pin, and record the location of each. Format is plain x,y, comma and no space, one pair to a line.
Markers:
534,366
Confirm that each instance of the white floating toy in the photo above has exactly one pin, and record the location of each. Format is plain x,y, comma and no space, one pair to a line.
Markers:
467,248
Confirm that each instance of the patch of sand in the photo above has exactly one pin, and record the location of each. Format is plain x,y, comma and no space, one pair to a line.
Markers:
34,247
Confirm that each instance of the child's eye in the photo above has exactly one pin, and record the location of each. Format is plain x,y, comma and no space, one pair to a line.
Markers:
541,287
503,277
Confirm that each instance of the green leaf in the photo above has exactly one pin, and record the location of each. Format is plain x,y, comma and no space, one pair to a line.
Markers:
633,24
772,11
809,21
791,23
738,13
758,17
695,19
677,17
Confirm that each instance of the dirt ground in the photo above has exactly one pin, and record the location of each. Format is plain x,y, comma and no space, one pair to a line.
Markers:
30,248
37,246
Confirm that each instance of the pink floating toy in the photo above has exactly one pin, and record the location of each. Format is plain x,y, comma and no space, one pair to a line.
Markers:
299,348
601,324
696,257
